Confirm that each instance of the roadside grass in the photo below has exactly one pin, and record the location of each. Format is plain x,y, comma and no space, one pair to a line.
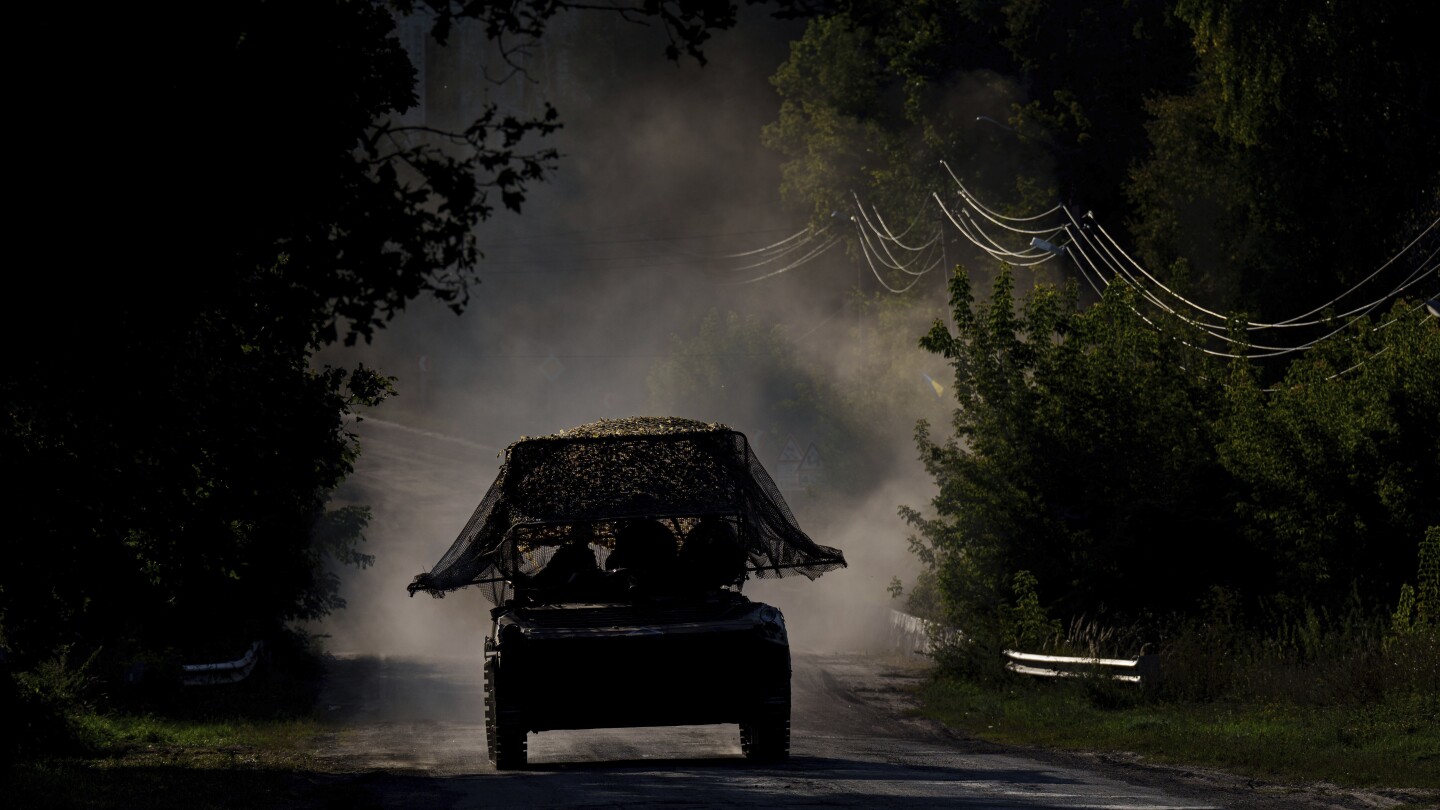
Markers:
1392,743
85,743
130,760
139,736
1351,700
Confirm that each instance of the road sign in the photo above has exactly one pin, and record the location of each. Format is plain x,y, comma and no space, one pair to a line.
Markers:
811,469
791,451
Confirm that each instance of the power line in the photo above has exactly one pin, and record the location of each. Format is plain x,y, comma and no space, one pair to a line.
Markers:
829,243
1101,258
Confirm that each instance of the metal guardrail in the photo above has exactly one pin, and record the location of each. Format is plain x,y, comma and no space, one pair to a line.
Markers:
912,635
1130,670
224,672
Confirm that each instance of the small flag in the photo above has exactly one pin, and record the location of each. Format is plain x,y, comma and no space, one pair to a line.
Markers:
939,389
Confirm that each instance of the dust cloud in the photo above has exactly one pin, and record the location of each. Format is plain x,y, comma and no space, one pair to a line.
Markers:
585,292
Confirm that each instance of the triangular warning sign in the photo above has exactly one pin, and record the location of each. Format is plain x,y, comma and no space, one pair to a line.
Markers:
791,451
812,459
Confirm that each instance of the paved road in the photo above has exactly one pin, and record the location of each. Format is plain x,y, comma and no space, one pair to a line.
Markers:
405,701
409,733
416,728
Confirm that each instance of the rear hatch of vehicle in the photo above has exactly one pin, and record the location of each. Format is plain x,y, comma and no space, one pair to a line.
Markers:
602,666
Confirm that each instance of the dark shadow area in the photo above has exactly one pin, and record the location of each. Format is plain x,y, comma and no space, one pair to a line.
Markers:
828,768
275,690
687,782
380,689
721,783
680,781
64,785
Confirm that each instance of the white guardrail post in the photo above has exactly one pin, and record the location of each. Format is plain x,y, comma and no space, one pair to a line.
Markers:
224,672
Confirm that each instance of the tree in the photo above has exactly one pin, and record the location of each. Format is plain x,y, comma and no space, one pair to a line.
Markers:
1265,159
1339,464
1306,153
1126,475
180,450
876,94
213,193
1264,155
1083,456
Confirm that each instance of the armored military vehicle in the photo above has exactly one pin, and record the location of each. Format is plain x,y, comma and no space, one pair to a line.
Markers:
615,554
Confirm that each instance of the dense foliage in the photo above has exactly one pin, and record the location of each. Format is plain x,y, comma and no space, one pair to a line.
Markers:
1107,470
1261,159
211,194
874,96
1262,154
178,447
1339,463
1306,151
1083,455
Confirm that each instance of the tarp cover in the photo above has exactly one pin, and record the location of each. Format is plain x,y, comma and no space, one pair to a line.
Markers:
605,472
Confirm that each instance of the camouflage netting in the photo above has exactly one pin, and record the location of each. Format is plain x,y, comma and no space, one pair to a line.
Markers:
606,472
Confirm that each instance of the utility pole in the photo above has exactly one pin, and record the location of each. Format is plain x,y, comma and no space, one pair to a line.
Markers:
945,290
